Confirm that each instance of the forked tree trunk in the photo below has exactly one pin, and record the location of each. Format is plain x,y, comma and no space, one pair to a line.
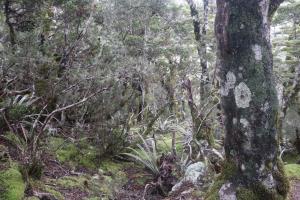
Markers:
249,99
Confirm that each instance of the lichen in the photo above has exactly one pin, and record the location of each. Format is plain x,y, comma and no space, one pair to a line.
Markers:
227,191
244,122
257,52
242,95
229,84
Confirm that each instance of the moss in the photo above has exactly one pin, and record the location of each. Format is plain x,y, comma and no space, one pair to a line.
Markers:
110,166
13,185
228,171
88,158
73,182
53,192
263,193
79,155
17,112
246,194
292,171
68,153
282,180
254,191
213,193
164,144
31,198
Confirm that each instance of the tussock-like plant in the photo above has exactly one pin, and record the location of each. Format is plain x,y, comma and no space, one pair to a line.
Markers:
145,155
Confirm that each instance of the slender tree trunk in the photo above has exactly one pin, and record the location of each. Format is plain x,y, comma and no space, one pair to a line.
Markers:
249,99
200,33
287,100
7,11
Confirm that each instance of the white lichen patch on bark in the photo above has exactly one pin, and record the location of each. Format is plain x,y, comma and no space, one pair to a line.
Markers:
243,168
234,121
227,192
244,122
229,84
265,107
279,89
262,167
257,52
264,8
242,95
269,182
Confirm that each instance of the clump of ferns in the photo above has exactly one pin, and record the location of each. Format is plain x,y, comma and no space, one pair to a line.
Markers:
145,155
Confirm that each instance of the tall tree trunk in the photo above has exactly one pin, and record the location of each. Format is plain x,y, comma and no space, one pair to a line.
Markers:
249,99
200,33
287,100
7,12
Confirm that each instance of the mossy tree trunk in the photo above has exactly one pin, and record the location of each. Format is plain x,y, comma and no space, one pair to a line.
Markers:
200,34
249,98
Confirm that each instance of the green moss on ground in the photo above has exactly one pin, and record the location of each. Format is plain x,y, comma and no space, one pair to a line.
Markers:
31,198
81,154
42,186
292,171
108,165
164,143
12,184
70,182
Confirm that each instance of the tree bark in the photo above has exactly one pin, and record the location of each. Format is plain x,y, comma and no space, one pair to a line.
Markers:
287,100
248,98
200,33
7,12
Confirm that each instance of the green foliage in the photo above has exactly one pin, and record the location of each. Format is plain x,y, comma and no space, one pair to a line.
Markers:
146,155
290,158
292,171
82,154
13,185
246,194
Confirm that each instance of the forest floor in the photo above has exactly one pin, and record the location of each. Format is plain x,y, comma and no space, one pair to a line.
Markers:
295,190
70,173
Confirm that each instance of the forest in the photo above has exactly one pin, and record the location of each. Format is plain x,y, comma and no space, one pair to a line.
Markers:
150,100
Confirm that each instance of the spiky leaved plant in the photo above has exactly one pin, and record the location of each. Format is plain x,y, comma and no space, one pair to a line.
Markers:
146,155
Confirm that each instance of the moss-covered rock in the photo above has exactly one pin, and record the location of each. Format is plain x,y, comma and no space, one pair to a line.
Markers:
12,184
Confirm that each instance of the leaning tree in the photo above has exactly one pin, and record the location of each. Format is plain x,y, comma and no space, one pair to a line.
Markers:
249,101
